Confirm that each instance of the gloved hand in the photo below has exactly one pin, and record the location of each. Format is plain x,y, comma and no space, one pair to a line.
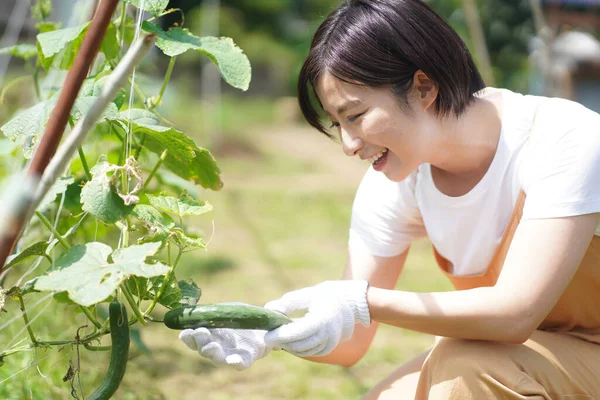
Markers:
333,309
238,348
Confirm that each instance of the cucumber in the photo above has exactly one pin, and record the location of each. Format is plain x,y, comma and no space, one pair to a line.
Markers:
236,316
119,334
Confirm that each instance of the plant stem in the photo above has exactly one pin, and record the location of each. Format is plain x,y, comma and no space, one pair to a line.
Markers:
123,23
36,83
158,98
133,305
15,350
164,285
170,11
86,168
153,172
105,330
26,319
96,348
56,234
91,317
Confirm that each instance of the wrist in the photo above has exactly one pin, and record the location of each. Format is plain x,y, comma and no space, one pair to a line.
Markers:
362,313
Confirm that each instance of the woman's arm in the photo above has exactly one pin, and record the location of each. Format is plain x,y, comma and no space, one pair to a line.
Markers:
381,272
541,261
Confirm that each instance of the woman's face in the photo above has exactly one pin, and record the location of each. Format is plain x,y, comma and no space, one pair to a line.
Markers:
372,125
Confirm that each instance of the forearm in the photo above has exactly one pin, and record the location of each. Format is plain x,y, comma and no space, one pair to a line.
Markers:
350,351
480,313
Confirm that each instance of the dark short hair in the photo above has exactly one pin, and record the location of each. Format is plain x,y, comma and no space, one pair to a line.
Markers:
383,43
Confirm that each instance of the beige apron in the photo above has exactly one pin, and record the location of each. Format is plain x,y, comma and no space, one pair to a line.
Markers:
578,310
561,360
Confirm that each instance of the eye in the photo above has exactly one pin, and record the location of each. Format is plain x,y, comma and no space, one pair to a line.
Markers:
355,117
334,125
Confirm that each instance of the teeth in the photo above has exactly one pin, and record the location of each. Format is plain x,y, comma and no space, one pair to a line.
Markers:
377,156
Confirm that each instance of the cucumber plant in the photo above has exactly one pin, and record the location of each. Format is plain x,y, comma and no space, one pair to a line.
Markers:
131,198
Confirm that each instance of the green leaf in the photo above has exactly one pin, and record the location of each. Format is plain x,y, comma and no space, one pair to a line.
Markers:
41,9
171,297
93,87
184,157
24,50
65,41
140,116
60,186
63,297
64,44
83,104
190,292
148,288
158,224
36,249
110,45
27,127
154,7
88,276
47,26
187,242
182,206
99,196
139,287
229,59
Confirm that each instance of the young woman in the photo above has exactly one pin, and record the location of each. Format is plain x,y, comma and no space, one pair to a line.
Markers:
505,186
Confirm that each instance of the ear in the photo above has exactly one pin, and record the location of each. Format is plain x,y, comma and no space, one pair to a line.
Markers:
424,89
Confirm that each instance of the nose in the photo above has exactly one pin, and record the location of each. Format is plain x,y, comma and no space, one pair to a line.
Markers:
350,144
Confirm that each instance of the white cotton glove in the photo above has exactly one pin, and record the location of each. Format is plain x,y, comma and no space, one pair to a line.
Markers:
333,309
238,348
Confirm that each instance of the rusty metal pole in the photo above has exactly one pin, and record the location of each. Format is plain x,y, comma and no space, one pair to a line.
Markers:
60,114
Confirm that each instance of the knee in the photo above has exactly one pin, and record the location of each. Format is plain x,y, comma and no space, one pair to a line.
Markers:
465,358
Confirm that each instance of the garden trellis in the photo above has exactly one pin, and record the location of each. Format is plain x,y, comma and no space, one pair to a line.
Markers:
137,267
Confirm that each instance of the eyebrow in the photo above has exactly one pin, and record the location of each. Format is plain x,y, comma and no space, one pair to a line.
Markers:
346,106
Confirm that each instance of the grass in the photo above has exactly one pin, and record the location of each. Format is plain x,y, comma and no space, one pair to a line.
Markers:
280,223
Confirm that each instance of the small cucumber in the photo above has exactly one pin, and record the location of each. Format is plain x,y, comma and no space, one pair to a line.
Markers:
238,316
119,334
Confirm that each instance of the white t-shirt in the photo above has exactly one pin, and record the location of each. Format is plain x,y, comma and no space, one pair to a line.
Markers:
559,170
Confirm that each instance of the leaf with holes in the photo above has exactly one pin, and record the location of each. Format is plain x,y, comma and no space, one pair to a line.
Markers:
154,7
99,196
229,59
24,50
181,206
88,275
190,292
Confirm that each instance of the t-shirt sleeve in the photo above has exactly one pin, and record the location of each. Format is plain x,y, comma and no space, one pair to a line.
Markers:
385,217
562,177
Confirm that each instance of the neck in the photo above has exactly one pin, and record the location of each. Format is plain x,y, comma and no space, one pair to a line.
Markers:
465,147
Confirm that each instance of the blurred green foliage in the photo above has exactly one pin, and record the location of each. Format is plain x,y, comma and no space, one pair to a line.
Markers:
276,34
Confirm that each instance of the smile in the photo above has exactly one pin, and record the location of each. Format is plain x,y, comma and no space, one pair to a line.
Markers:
377,158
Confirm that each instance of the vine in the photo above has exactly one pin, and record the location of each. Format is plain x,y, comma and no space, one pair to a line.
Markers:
127,263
